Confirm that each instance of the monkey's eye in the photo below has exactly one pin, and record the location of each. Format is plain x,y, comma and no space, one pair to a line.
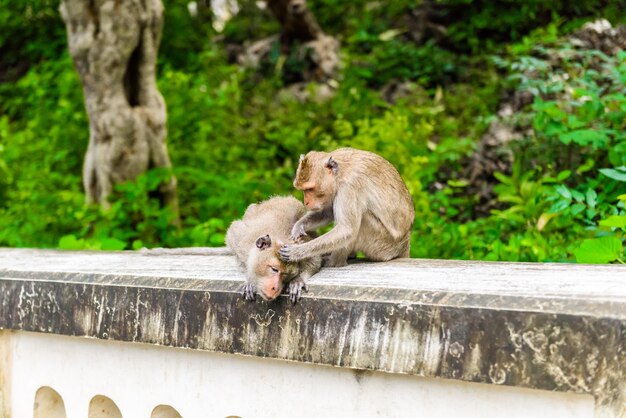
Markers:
274,269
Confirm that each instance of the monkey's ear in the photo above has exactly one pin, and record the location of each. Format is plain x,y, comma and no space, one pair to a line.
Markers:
301,158
263,242
332,165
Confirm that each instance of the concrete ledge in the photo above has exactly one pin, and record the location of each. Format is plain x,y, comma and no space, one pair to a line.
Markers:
542,326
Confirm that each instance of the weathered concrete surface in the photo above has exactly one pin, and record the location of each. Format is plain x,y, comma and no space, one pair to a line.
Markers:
5,373
552,327
204,384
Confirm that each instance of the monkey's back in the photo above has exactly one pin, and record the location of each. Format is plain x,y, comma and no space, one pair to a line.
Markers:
275,217
382,186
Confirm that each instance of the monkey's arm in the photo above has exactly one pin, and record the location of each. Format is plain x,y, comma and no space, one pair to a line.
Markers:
310,222
348,212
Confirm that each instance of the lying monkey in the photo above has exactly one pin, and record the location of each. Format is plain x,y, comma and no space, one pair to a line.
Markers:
255,240
364,195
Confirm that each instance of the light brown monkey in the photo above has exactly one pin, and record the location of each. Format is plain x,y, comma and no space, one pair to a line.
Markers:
255,240
365,197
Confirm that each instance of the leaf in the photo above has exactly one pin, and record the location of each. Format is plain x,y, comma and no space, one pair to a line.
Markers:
563,175
615,221
585,137
503,178
599,250
217,239
578,196
112,244
544,219
563,191
458,183
574,123
559,206
588,165
617,154
577,208
614,174
510,199
69,242
591,197
390,34
590,213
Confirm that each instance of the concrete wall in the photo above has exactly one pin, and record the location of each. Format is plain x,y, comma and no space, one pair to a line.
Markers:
139,377
167,335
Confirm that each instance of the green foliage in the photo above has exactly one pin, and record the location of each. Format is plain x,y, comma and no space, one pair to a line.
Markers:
30,32
618,173
578,120
235,135
388,58
480,25
600,250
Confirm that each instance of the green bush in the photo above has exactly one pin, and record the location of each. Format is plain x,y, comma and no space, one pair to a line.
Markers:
234,135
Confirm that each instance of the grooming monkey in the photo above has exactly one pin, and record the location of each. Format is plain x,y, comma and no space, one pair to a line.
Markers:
365,197
255,240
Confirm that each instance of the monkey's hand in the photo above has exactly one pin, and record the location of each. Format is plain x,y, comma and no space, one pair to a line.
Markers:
297,232
290,253
249,291
296,286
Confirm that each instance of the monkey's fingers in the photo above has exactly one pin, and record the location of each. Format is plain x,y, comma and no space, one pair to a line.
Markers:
298,237
249,292
295,289
285,253
294,295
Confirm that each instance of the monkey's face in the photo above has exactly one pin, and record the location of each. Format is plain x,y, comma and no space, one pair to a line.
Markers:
270,277
314,198
316,177
268,271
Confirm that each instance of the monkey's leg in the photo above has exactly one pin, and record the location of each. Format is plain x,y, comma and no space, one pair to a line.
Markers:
338,258
379,250
405,252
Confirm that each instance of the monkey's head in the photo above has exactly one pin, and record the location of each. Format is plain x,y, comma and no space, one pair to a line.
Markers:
317,178
267,270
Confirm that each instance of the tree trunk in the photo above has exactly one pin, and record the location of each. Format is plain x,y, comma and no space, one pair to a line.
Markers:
114,46
297,21
299,26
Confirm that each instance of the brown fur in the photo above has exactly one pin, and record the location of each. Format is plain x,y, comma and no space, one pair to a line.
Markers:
364,195
275,218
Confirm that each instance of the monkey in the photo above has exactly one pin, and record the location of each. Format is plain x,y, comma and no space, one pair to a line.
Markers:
365,197
255,240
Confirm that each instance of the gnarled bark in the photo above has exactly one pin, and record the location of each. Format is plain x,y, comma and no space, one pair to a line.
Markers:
114,46
301,37
299,26
297,21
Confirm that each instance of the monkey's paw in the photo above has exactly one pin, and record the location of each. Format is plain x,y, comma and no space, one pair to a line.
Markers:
290,253
297,232
296,286
249,291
